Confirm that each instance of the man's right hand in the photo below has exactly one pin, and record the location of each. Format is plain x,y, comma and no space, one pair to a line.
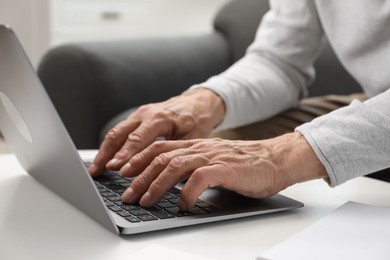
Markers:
193,114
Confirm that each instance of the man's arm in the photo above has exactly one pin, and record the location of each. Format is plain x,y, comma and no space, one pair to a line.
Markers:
354,140
277,68
270,78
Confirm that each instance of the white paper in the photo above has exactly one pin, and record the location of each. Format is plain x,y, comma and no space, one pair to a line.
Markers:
353,231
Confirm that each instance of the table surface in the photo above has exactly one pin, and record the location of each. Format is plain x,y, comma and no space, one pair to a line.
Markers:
37,224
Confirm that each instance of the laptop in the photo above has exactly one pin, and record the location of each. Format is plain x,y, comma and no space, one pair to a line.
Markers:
39,140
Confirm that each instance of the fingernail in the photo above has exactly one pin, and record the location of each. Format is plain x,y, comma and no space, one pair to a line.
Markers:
129,196
113,163
125,168
182,205
145,200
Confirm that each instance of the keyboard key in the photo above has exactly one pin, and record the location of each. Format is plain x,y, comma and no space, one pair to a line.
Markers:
121,180
178,213
119,190
175,191
113,186
108,203
123,213
109,173
115,208
104,182
114,198
165,204
108,194
133,219
138,212
147,218
198,211
169,196
212,209
115,177
103,191
162,214
119,203
174,201
131,207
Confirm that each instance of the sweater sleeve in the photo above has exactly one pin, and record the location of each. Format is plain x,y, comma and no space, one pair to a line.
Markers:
354,140
277,68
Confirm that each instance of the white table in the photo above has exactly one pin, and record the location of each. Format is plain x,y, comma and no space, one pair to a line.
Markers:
37,224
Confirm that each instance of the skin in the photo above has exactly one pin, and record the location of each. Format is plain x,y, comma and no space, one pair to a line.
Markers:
252,168
191,115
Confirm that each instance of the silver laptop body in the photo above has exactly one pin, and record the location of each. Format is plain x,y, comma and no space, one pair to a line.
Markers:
37,136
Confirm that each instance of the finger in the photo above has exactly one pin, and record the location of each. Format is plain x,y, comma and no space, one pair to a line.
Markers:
139,139
139,162
113,141
201,179
177,169
140,185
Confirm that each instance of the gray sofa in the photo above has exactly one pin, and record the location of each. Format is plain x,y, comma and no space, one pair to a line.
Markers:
90,83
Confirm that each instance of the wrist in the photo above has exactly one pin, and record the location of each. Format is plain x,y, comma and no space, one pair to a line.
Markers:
210,105
299,162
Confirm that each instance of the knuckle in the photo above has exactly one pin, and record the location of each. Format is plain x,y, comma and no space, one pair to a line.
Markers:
135,138
161,160
136,161
201,143
123,153
139,184
162,117
158,145
176,163
161,114
112,135
143,108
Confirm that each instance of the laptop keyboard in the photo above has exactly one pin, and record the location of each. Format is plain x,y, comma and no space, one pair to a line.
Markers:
111,186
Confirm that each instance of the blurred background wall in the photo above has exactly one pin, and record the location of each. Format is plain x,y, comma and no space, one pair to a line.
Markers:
41,24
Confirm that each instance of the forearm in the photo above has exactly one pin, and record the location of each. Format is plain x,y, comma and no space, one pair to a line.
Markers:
352,141
277,68
252,90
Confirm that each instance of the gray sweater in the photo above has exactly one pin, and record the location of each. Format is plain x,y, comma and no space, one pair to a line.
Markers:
278,68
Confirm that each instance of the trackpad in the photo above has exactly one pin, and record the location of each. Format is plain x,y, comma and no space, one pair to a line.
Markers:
230,200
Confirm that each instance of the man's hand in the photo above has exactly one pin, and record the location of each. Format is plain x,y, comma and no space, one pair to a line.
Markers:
191,115
252,168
